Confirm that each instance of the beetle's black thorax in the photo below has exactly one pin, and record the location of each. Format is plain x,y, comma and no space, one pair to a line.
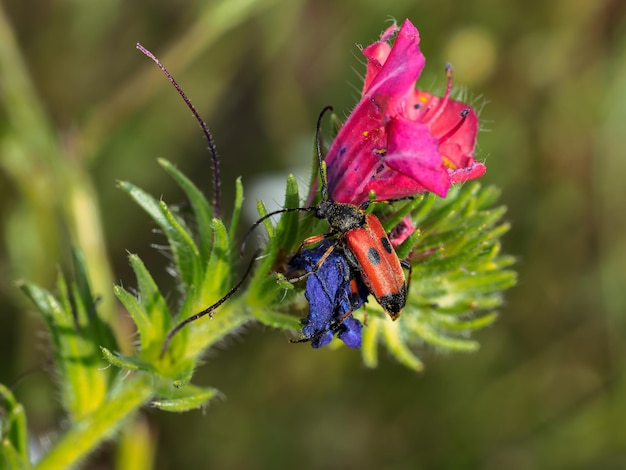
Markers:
341,217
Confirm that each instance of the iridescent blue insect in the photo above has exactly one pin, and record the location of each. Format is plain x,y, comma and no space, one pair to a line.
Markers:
334,290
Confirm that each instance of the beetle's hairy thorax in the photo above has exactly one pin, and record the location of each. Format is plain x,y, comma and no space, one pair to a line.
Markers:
341,217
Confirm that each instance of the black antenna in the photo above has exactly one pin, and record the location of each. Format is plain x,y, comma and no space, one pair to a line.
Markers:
242,247
203,126
209,310
323,190
318,147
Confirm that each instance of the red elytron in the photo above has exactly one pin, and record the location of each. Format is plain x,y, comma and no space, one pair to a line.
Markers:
379,265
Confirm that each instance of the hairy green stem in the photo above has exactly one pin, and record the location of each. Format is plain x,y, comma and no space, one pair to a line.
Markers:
86,434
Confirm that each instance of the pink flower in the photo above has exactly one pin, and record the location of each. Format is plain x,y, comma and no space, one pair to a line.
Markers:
398,140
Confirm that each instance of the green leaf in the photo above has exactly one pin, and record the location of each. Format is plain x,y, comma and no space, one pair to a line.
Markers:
456,324
219,270
188,398
398,212
126,362
427,333
186,254
149,310
13,432
369,344
287,227
234,221
78,361
202,210
101,332
392,338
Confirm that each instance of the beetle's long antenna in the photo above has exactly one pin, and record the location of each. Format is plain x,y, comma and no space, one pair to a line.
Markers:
265,217
209,310
203,126
318,147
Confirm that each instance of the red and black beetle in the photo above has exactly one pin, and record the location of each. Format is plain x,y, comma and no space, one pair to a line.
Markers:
363,239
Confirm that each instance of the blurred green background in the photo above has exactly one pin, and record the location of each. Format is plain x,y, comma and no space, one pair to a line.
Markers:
81,108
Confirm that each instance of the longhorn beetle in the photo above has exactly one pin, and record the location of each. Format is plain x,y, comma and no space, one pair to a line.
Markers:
360,235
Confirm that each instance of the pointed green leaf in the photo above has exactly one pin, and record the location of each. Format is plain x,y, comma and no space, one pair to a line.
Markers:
186,254
202,210
369,343
398,212
487,197
455,324
149,311
100,330
185,399
217,276
287,227
13,432
126,362
392,336
84,382
431,336
234,221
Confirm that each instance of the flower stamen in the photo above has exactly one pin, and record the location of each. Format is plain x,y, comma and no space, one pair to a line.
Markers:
458,125
444,99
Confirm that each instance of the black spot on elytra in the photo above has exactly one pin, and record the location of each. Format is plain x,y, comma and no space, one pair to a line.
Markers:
373,256
386,244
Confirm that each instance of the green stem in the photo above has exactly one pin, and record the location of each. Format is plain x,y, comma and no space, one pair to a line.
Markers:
86,434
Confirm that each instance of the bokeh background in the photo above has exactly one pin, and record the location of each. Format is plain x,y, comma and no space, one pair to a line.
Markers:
81,108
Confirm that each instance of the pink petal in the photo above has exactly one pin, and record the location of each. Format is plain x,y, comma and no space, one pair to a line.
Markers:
471,171
391,86
352,158
355,154
395,186
376,54
413,151
456,134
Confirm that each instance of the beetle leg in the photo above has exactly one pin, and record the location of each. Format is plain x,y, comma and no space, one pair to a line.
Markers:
312,241
323,258
406,265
